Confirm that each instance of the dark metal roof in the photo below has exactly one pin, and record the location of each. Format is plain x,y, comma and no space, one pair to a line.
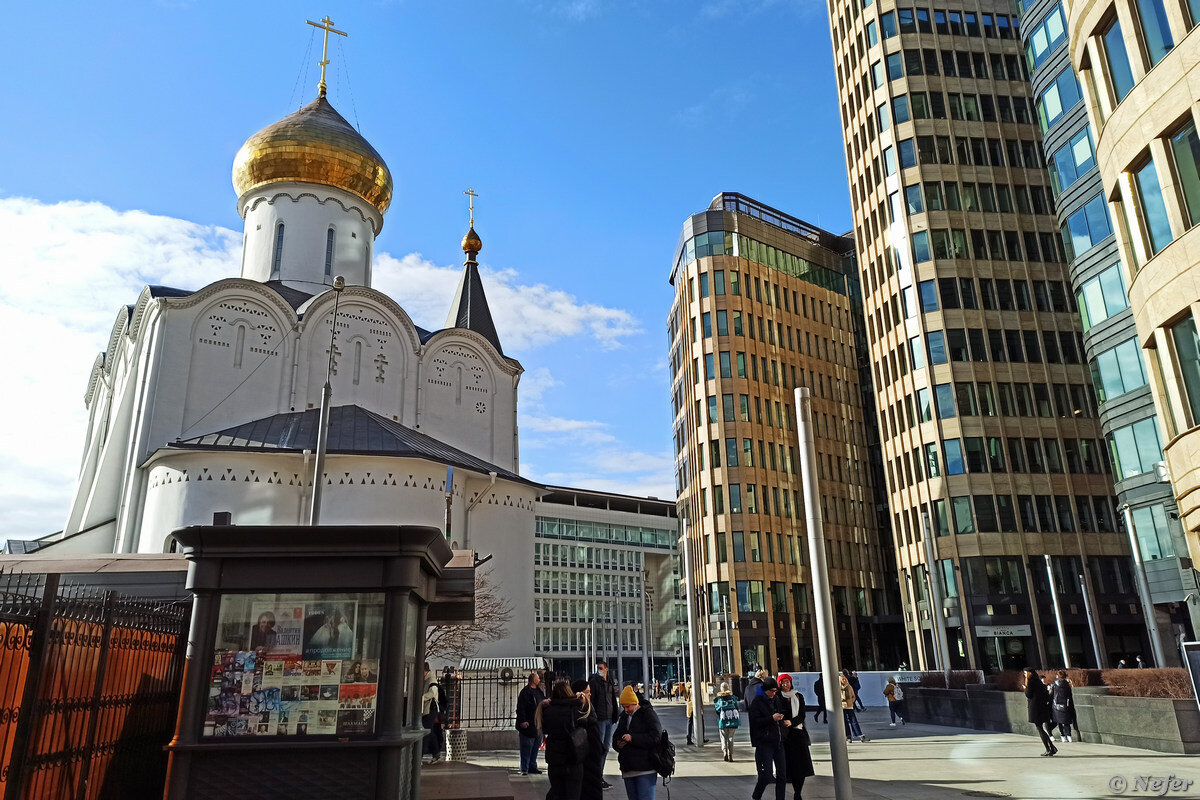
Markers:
353,430
168,291
294,297
470,307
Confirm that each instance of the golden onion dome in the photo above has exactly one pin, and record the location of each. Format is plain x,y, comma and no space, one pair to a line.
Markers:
314,145
471,243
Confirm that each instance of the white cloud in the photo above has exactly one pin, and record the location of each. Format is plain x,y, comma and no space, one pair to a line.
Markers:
71,266
534,384
525,316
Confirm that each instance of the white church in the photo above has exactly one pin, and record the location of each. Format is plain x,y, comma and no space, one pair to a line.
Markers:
208,401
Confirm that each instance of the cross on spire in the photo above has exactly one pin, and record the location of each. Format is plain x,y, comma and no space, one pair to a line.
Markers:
471,193
327,26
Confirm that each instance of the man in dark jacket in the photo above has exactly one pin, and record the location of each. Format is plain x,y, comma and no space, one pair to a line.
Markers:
604,701
819,693
767,721
527,704
1037,698
637,733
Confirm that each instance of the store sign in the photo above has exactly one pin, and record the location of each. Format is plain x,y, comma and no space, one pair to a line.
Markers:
1003,631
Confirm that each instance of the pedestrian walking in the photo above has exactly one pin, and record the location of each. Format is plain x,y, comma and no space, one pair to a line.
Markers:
895,697
688,709
856,685
797,744
593,764
557,719
1121,664
1139,663
528,701
767,723
752,687
431,718
604,703
729,719
637,733
849,716
1037,699
1062,706
819,691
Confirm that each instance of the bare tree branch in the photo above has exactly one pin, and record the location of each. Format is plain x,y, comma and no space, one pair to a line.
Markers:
493,612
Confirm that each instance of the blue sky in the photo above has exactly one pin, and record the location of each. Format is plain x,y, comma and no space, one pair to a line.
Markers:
590,128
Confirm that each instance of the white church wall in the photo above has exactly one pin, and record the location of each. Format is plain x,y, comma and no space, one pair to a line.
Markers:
234,328
307,212
502,526
375,357
465,397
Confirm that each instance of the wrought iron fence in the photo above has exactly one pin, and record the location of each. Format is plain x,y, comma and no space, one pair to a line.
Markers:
89,682
482,701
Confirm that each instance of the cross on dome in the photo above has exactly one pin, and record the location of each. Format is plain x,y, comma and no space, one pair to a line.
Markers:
327,26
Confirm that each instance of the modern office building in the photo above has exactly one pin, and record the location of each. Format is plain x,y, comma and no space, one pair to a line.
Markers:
988,417
1099,281
606,566
1139,61
763,304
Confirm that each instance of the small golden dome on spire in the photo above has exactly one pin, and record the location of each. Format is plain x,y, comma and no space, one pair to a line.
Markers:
471,243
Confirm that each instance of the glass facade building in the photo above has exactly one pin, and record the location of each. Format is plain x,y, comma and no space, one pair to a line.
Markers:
989,420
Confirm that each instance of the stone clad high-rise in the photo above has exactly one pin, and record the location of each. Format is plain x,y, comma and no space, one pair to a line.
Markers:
1139,64
986,407
763,304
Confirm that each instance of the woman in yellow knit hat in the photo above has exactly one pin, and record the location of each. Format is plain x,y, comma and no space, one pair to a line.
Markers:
638,733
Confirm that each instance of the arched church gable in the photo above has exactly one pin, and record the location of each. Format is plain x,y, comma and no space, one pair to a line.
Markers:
372,355
240,351
458,394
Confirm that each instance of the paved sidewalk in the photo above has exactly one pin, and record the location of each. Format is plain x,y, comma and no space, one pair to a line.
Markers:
911,762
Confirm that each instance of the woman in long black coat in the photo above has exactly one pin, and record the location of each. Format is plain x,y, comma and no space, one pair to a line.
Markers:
593,764
1062,706
1037,697
796,741
557,719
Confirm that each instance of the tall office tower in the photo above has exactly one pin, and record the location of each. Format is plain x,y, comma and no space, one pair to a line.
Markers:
987,415
762,305
1098,277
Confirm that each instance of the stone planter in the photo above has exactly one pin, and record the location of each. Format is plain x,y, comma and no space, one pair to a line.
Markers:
1151,723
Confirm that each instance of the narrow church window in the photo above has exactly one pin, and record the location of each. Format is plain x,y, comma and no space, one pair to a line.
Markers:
329,252
357,359
278,259
239,346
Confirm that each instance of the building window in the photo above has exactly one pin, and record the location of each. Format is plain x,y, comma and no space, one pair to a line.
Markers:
1185,147
1135,448
1119,73
1101,297
1058,98
329,252
1045,38
1187,357
1118,370
1153,533
1152,15
1072,160
277,260
1086,228
1153,209
954,457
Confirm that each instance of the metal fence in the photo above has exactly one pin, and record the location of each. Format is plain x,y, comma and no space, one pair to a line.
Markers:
89,684
481,701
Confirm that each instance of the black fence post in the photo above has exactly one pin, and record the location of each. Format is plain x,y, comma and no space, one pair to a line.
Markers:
39,652
89,744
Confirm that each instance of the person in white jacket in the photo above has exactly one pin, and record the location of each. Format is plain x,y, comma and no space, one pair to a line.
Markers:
431,717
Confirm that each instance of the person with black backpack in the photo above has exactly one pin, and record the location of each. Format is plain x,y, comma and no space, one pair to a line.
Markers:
431,717
637,739
562,721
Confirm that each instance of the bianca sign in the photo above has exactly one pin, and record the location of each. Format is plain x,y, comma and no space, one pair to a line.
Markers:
1003,631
